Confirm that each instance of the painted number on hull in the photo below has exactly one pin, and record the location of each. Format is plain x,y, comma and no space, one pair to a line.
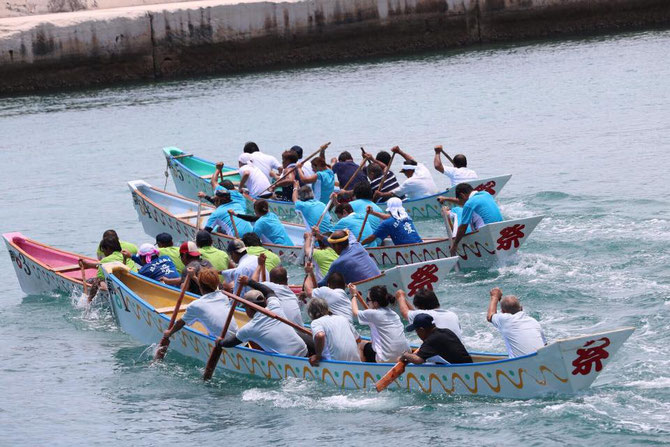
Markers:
20,262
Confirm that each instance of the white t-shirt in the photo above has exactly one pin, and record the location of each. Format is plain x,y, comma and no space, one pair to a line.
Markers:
265,163
522,334
257,183
272,335
288,300
211,310
420,184
387,333
459,175
340,338
246,267
443,319
337,299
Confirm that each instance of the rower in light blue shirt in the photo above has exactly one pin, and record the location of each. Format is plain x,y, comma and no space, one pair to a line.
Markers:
267,225
311,208
220,218
363,194
479,203
353,222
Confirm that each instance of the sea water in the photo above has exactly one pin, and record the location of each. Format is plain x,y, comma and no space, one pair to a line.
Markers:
584,127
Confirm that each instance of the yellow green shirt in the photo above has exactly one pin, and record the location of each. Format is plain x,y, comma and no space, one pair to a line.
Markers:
323,258
272,260
173,253
132,248
218,258
116,256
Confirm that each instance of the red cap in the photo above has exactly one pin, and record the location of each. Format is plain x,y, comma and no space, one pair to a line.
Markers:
190,248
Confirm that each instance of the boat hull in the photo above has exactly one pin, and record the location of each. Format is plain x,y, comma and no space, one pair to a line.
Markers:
188,183
36,277
561,367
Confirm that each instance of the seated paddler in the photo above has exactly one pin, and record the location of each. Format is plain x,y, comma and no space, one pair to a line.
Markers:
270,334
211,309
334,336
266,224
112,252
221,219
396,224
353,262
439,345
154,265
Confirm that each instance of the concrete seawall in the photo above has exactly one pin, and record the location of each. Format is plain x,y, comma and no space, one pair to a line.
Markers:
205,37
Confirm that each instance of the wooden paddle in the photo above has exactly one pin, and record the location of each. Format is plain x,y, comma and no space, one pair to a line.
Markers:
197,217
367,213
305,160
360,299
351,179
390,376
83,276
232,221
450,234
386,172
165,341
215,355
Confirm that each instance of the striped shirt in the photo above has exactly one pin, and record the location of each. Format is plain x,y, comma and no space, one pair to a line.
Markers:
390,183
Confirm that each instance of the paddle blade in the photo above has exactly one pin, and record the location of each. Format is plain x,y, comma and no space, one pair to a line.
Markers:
211,363
162,348
390,376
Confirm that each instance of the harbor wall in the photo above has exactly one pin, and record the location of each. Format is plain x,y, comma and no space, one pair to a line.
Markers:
92,47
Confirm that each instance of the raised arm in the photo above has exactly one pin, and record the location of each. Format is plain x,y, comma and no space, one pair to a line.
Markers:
310,280
304,178
437,161
382,216
403,305
496,294
214,180
402,153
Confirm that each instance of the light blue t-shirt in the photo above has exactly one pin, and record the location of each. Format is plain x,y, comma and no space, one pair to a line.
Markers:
353,222
484,205
360,206
324,185
220,217
237,198
312,210
269,228
458,211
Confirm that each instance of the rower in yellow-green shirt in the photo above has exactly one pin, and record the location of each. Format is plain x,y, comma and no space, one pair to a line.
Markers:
255,248
166,248
218,258
127,246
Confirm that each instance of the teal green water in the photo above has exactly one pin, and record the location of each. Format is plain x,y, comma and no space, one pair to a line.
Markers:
583,126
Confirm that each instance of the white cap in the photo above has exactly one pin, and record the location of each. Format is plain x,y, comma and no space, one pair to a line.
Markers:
395,208
244,158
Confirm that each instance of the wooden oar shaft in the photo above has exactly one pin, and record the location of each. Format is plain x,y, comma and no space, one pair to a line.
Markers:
232,221
390,376
360,299
325,211
386,173
351,179
215,355
165,341
269,313
197,217
303,161
365,221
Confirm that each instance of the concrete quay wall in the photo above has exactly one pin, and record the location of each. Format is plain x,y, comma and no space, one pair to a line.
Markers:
205,37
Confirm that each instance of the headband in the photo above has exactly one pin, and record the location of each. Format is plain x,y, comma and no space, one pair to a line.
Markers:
407,167
342,239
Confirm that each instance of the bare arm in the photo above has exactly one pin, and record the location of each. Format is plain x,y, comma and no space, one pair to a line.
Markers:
296,186
437,161
411,358
402,153
382,216
403,305
354,300
243,180
177,326
88,264
459,235
310,281
215,177
496,294
304,178
319,344
368,239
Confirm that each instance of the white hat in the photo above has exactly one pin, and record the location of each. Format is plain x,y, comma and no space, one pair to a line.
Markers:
244,158
395,208
408,167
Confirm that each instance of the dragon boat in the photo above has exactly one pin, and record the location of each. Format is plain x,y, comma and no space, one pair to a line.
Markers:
191,175
44,269
142,308
492,245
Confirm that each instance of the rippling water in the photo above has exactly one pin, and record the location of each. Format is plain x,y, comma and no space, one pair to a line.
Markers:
583,126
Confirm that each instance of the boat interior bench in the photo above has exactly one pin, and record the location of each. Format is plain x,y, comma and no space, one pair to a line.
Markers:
192,214
66,268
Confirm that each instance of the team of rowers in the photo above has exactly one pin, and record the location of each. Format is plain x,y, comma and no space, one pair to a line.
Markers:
328,293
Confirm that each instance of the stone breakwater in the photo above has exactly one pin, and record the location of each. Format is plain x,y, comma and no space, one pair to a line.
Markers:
205,37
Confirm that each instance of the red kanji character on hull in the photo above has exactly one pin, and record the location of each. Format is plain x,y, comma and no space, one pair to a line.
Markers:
509,236
590,356
488,187
423,277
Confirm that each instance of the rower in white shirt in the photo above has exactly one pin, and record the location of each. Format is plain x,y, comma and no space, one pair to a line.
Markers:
265,162
426,302
419,181
459,173
334,336
246,264
522,333
279,285
253,178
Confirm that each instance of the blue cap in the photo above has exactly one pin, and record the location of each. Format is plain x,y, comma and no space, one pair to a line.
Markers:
424,321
